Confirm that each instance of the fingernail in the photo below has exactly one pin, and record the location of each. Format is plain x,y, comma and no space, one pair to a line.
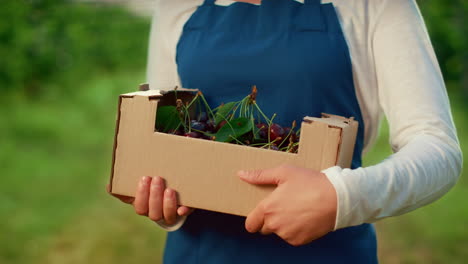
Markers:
241,173
146,180
169,193
180,211
142,181
156,181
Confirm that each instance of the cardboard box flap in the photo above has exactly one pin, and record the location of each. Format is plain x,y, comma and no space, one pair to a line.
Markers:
329,121
345,119
347,137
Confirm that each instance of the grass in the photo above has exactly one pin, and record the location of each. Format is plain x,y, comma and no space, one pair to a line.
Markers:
55,158
55,155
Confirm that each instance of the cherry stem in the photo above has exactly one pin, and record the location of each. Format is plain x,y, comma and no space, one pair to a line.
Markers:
207,105
187,117
238,141
290,132
269,127
260,111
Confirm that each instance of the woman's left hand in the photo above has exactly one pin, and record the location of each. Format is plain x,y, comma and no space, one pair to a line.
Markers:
301,209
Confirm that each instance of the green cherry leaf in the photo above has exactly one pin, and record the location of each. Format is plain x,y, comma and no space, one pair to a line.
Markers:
167,118
235,128
223,112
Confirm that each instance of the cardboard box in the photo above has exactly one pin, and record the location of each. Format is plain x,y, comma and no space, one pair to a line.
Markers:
203,172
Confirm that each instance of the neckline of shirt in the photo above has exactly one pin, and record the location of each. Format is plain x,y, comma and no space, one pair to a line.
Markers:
230,2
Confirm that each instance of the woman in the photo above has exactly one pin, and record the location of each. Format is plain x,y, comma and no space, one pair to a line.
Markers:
356,58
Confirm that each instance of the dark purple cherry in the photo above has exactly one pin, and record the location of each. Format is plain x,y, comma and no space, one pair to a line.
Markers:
207,137
200,126
210,125
193,134
273,147
177,132
202,117
263,130
291,135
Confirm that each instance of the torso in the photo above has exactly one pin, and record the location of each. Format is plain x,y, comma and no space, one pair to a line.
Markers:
298,58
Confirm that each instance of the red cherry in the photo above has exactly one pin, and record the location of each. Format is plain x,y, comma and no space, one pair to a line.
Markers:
276,131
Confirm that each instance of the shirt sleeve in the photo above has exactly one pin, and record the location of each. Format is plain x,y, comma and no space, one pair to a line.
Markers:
427,158
178,224
166,27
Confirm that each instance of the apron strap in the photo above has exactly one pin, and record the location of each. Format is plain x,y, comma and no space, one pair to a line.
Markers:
311,16
209,2
311,2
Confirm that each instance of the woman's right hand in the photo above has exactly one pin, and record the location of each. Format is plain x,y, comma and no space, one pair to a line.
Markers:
154,200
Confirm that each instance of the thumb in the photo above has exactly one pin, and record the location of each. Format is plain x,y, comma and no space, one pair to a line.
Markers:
266,176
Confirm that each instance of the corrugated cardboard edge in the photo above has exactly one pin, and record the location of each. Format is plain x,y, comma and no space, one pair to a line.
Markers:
346,146
115,143
349,128
144,90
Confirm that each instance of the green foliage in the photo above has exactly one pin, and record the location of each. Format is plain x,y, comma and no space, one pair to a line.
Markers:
223,111
234,129
167,118
447,25
62,41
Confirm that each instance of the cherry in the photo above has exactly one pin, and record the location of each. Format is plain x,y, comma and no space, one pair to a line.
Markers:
263,130
177,132
202,117
273,147
207,137
200,126
247,138
193,134
210,126
291,135
276,132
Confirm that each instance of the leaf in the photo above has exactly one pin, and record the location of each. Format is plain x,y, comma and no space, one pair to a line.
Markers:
223,111
167,118
235,128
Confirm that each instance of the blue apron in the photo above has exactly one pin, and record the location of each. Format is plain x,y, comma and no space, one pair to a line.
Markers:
297,56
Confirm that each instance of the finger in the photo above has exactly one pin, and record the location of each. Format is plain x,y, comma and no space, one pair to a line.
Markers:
125,199
265,230
156,195
141,197
170,206
254,221
266,176
184,210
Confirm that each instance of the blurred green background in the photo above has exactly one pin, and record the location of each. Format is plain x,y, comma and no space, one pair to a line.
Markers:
62,66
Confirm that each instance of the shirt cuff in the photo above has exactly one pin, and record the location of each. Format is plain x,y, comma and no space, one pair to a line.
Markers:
335,176
174,227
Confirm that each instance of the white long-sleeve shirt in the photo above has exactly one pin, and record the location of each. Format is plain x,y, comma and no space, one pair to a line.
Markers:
396,73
